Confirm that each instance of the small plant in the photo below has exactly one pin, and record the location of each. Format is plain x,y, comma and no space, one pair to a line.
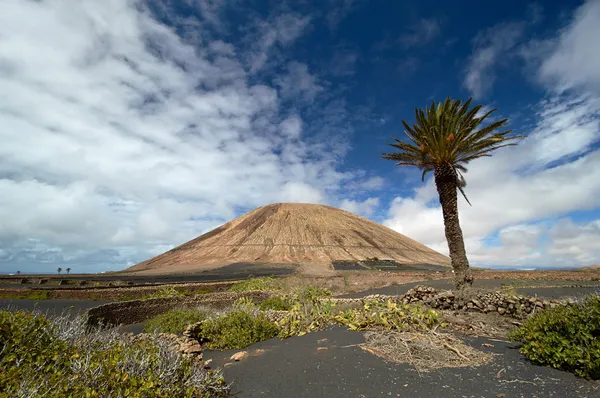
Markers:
174,321
276,303
236,329
262,283
566,338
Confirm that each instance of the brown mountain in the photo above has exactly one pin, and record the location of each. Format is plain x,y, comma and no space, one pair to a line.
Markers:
291,233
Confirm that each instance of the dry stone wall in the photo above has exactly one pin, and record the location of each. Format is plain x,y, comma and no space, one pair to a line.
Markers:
469,300
136,311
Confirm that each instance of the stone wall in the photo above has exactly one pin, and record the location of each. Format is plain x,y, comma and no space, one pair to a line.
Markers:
480,301
136,311
469,300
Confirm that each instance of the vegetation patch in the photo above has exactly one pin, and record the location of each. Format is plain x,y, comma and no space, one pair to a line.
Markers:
566,338
267,283
29,295
372,315
174,321
236,329
276,303
57,358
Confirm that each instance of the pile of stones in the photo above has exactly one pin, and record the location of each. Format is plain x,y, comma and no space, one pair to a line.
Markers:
480,301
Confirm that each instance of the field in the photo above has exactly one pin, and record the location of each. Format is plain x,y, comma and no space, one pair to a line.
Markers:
402,330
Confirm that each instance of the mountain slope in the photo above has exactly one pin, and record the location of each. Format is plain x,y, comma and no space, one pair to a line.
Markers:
292,233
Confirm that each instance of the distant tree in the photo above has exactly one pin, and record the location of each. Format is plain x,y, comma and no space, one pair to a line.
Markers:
68,270
444,139
59,270
18,272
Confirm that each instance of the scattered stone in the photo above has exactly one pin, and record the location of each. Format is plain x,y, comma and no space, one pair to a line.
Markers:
206,364
239,356
501,311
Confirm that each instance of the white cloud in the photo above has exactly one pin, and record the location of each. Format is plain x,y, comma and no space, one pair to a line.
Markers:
490,48
364,208
339,10
281,31
120,139
575,60
420,33
298,82
372,183
576,243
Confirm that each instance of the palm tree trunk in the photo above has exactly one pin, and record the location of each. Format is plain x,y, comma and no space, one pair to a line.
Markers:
445,181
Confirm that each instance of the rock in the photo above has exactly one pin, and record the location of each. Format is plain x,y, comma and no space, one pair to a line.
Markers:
477,303
206,364
501,311
539,304
445,295
491,308
191,347
239,356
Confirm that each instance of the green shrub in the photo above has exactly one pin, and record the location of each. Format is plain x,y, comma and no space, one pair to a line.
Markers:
566,338
276,303
313,293
174,321
373,315
388,315
56,358
236,329
305,317
262,283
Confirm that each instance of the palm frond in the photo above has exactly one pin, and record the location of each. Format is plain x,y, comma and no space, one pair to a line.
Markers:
449,133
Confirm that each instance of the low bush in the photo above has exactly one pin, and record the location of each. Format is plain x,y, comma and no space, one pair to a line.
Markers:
566,338
236,329
56,358
276,303
174,321
313,293
388,315
262,283
372,315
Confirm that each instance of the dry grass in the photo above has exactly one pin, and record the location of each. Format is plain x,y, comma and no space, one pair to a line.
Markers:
425,351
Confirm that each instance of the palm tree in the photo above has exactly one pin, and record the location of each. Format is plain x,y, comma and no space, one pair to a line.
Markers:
59,269
18,272
444,139
68,270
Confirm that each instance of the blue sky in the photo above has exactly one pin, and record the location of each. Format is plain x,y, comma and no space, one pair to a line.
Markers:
131,127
